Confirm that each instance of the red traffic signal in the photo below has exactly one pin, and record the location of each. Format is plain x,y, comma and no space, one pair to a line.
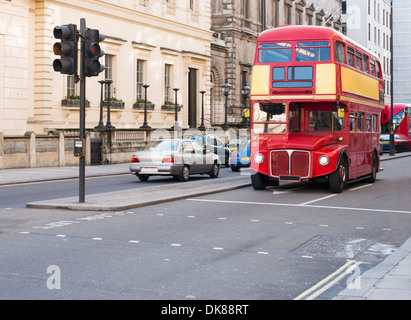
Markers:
92,67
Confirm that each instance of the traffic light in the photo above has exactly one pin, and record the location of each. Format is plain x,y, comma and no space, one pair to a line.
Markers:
67,49
92,67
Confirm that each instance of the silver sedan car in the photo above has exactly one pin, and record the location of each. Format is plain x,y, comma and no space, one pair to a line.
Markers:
174,157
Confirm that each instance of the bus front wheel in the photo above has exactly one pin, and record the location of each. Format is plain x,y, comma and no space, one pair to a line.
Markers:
338,179
258,181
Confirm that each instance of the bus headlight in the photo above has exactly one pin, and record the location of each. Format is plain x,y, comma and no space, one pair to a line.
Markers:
259,158
324,160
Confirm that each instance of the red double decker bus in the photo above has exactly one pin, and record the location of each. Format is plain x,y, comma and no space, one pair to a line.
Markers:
317,98
402,127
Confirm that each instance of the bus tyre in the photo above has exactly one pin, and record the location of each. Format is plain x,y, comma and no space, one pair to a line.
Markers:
258,181
374,170
338,179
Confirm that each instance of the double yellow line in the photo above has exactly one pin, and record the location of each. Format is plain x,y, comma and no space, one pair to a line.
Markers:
329,281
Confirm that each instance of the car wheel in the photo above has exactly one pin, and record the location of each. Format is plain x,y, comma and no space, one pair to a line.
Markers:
215,170
143,177
184,175
235,168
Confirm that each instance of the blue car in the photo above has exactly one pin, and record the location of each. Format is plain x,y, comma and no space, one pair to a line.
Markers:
241,157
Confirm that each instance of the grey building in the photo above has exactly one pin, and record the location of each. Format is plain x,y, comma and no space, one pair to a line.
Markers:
368,23
402,51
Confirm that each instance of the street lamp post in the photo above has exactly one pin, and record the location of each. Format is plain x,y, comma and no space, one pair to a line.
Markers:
108,124
100,123
226,90
176,126
246,93
145,124
392,146
202,126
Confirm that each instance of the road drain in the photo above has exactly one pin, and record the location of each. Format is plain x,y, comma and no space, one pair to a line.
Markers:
330,246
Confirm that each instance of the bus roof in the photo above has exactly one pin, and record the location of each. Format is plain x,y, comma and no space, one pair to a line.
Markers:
304,32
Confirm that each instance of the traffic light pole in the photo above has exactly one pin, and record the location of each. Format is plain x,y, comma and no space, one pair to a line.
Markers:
82,164
90,52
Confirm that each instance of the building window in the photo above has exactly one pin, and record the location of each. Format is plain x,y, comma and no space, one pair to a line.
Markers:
71,87
275,14
140,79
192,5
287,13
344,7
369,32
247,9
168,82
108,74
375,35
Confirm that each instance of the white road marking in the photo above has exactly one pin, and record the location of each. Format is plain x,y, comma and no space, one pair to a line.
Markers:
360,187
316,200
97,239
299,205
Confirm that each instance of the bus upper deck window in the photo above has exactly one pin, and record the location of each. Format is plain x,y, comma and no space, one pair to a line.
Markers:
366,61
274,52
313,51
340,52
350,55
372,65
358,61
378,70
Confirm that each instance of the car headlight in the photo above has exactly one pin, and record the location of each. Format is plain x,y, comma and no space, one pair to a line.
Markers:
259,158
324,160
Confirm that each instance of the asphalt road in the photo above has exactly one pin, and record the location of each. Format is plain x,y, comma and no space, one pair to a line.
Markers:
275,244
17,195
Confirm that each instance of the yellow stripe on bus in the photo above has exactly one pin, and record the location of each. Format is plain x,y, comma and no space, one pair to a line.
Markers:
326,76
260,83
360,84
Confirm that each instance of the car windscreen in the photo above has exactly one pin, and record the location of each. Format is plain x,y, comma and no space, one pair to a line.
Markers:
162,146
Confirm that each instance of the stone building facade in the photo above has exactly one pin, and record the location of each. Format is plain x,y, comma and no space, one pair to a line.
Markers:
192,46
164,44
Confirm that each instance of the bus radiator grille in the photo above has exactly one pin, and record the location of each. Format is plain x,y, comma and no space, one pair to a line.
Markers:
290,163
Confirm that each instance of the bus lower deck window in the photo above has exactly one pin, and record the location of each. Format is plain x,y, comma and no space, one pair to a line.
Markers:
326,121
353,122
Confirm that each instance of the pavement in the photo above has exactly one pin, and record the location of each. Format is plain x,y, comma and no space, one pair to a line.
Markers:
389,280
